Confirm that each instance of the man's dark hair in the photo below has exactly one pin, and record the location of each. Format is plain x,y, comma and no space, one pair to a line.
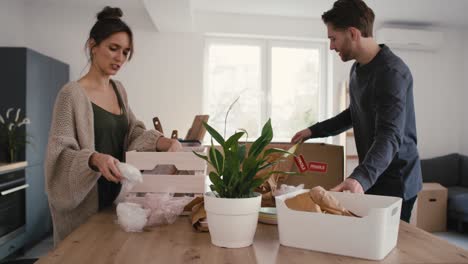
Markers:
351,13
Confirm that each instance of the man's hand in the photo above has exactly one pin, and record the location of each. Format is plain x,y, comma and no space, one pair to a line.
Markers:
301,136
349,184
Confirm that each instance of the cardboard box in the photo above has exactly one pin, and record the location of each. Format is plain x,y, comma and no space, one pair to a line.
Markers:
320,164
430,209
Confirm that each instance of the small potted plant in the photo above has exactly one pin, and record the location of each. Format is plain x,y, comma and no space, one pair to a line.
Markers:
232,206
11,134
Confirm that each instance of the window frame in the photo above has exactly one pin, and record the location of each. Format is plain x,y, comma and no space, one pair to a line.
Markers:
266,44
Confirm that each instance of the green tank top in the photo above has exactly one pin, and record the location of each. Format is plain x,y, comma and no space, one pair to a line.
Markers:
110,131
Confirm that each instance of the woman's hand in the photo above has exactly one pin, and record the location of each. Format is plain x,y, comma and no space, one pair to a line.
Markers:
168,144
107,165
175,146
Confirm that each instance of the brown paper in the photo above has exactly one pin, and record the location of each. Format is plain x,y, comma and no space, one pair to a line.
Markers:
198,214
317,200
327,202
302,202
269,187
195,201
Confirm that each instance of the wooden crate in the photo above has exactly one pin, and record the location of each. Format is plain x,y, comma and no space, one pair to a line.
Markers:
191,169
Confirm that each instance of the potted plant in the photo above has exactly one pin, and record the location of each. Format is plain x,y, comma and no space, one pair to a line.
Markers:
11,134
232,206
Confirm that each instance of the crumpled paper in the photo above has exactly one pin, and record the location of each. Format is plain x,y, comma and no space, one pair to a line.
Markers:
198,214
132,217
131,176
284,163
317,200
134,212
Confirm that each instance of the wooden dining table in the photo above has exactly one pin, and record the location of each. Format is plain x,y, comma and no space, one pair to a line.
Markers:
102,240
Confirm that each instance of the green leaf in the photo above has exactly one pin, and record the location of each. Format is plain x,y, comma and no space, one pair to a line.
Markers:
234,139
214,134
257,182
277,150
203,157
235,169
246,133
241,153
257,147
216,158
232,159
217,183
267,165
282,172
213,189
249,164
263,140
216,179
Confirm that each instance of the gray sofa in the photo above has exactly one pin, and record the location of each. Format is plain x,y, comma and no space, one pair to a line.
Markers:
450,171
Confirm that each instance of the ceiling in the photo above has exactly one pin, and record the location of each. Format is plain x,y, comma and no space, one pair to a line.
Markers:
434,12
168,15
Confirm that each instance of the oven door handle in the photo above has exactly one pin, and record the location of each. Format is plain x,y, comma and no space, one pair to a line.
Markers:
12,190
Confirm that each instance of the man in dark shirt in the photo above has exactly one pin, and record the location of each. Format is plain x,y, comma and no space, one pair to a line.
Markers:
381,109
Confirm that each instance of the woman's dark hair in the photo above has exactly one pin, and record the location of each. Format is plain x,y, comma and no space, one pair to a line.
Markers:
351,13
109,23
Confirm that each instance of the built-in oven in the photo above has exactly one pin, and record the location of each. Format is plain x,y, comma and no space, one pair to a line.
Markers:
12,204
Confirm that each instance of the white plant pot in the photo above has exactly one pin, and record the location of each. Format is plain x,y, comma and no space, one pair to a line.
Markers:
232,221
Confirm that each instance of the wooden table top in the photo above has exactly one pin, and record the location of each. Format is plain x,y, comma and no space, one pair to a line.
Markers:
101,240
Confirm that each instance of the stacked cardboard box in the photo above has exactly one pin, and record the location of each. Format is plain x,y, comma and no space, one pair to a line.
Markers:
430,209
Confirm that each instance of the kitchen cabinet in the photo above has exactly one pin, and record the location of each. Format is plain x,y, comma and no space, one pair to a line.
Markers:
31,81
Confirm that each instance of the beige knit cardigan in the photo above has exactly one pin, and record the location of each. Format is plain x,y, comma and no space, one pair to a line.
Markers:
71,185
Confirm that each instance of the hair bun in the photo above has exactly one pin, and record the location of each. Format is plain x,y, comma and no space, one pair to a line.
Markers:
110,13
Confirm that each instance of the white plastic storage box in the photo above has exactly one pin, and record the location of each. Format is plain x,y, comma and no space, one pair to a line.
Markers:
190,173
371,237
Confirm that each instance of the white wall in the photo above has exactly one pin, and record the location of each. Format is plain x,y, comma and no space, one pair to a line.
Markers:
438,87
12,23
165,76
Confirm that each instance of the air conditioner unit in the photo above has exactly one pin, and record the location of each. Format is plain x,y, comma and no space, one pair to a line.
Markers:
412,39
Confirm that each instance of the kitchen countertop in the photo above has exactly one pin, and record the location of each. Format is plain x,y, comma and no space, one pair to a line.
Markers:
101,240
8,167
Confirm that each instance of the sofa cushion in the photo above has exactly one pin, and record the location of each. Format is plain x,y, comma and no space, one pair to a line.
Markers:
444,170
464,170
458,200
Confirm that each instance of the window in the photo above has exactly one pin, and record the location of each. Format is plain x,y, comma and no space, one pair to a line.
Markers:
284,80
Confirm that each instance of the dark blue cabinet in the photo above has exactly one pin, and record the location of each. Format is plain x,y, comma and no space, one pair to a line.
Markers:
31,81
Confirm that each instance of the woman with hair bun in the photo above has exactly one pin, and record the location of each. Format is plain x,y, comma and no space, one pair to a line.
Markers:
92,128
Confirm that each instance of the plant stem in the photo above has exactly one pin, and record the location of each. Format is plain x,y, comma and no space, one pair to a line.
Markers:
227,113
